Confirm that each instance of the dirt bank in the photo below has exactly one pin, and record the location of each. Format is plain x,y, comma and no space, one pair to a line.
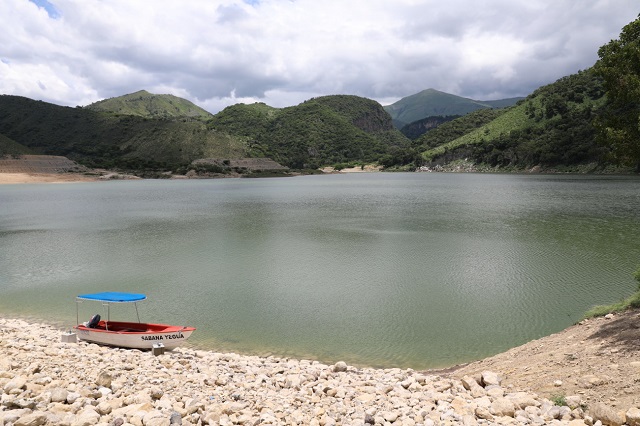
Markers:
7,178
598,359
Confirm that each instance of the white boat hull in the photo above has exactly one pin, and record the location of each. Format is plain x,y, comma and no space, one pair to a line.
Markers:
170,338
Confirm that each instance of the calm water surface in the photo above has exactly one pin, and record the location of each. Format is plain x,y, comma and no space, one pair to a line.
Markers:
408,270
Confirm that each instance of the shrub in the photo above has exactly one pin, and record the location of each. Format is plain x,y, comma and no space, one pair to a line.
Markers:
559,399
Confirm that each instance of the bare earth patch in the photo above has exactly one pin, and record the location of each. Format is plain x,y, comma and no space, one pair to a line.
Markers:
598,359
7,178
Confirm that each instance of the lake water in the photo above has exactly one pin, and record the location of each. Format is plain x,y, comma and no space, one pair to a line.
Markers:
408,270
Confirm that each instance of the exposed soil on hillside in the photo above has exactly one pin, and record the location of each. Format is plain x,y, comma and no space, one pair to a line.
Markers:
41,168
44,177
598,359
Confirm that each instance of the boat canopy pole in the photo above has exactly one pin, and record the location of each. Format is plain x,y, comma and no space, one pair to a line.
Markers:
106,324
136,305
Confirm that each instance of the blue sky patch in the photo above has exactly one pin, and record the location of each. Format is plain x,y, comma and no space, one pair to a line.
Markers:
50,8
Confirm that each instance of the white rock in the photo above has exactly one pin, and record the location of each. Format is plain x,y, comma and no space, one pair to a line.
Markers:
33,419
15,385
59,395
633,416
606,414
87,417
72,397
490,378
104,379
503,407
155,418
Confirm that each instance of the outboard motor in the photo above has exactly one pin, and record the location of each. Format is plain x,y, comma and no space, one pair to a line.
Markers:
93,322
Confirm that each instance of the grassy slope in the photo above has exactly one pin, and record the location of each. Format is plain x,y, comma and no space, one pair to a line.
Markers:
553,125
512,119
145,104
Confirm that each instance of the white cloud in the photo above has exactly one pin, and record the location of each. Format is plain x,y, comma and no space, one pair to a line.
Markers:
282,52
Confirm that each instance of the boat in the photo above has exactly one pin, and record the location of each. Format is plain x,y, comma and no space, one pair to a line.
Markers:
134,335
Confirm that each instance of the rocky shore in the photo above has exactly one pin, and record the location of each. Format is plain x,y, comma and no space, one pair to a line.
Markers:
46,382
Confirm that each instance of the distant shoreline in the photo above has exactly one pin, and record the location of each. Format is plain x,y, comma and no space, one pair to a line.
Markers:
14,178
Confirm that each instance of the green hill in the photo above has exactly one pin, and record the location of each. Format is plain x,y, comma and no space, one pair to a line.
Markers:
327,130
432,102
145,104
321,131
552,127
102,139
244,120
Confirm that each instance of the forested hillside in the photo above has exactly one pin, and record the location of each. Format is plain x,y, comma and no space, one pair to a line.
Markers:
552,127
619,124
100,139
321,131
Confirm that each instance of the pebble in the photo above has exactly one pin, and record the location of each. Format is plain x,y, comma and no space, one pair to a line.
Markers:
45,381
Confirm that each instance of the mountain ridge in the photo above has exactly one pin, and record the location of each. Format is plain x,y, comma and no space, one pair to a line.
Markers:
431,102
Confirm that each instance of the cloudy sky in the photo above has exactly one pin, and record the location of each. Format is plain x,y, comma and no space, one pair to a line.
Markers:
221,52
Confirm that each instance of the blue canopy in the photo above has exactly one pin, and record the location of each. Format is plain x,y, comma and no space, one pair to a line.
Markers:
113,296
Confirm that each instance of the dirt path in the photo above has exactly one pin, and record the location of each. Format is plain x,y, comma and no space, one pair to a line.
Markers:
598,359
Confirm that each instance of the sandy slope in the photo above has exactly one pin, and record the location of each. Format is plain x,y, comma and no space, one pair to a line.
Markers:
8,178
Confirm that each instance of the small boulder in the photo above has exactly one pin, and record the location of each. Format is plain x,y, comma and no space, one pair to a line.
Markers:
483,413
503,407
72,397
340,367
34,419
573,401
59,395
87,417
606,414
15,385
633,416
155,418
175,419
490,378
104,379
104,408
473,387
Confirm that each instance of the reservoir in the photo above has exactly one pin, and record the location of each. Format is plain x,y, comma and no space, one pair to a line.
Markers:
410,270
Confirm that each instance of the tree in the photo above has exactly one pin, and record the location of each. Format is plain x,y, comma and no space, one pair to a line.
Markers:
619,66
